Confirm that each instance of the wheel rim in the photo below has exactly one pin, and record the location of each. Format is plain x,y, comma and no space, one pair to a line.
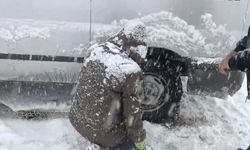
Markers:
152,92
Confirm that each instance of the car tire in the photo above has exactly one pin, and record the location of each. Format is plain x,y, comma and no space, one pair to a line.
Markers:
160,95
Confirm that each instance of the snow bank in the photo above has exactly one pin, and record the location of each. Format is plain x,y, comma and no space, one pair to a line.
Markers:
6,34
13,30
55,134
163,30
168,31
24,32
206,123
52,25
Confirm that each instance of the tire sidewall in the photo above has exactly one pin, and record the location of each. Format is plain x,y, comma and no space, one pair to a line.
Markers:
173,90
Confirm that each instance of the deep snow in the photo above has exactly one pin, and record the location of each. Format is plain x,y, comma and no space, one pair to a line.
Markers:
206,123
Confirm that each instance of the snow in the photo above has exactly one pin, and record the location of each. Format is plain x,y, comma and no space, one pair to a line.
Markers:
51,25
24,32
5,34
140,50
163,30
117,63
201,60
136,29
166,30
206,123
39,135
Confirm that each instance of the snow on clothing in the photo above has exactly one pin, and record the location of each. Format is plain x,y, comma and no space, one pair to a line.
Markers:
242,60
105,109
244,43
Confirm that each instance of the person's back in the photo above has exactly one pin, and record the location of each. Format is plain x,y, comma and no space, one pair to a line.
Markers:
105,108
98,94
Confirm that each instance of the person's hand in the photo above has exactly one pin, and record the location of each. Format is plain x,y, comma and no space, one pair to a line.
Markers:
141,145
224,67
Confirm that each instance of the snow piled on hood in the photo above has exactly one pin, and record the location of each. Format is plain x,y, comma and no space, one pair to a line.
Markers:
168,31
117,64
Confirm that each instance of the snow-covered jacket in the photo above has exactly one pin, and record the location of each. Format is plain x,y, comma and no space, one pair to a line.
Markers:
105,107
244,43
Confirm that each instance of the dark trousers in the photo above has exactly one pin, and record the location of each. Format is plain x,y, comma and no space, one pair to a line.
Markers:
242,62
126,144
248,148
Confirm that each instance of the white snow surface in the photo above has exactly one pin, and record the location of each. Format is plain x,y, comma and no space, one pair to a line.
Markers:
163,30
201,60
208,124
166,30
51,25
23,32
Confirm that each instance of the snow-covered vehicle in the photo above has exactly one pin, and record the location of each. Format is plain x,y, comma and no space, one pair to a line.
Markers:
40,62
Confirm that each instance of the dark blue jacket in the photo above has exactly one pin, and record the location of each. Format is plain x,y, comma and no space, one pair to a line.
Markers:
243,43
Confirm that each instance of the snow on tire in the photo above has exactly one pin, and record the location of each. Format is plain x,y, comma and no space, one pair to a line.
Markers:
160,94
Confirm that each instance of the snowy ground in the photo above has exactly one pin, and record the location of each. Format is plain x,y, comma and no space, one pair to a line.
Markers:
207,124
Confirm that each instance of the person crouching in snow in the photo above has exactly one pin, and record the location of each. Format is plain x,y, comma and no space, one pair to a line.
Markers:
105,107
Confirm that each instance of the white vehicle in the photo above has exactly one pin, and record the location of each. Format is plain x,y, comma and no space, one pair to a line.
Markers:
40,64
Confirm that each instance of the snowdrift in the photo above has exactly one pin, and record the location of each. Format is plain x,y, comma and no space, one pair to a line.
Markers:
206,123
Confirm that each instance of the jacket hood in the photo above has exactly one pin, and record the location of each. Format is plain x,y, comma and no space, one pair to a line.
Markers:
133,34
